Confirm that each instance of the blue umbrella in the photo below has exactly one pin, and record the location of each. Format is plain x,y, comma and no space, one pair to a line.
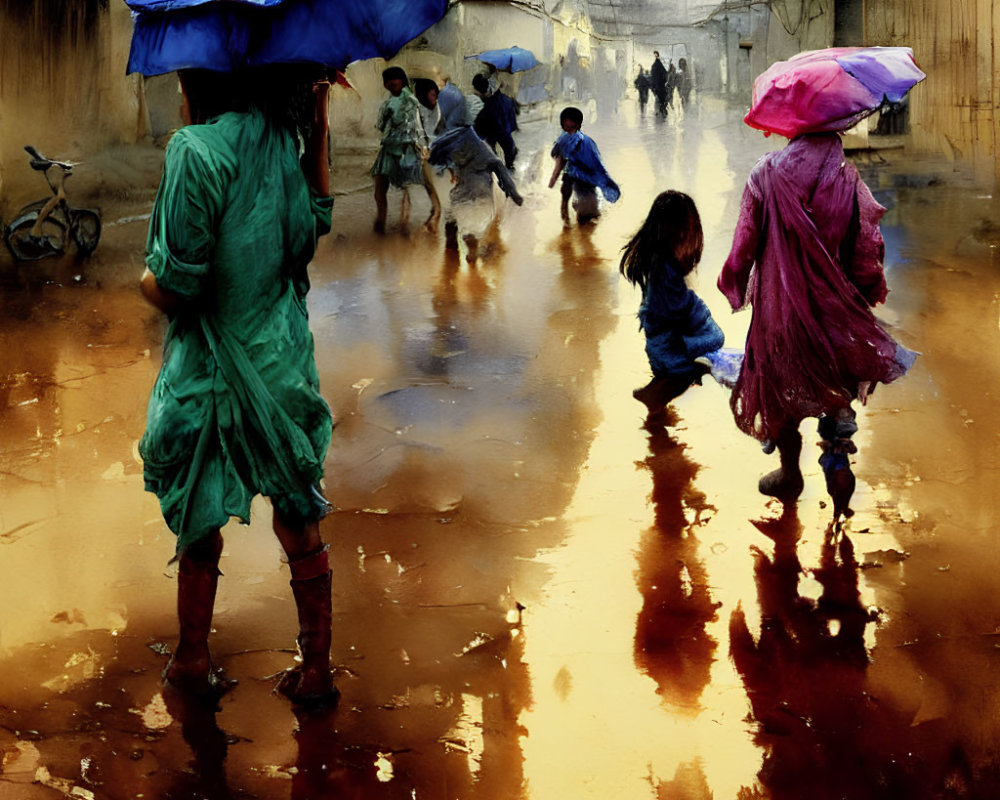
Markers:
509,59
227,35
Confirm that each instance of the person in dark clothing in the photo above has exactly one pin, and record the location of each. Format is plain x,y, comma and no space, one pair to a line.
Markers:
496,123
672,80
642,83
658,81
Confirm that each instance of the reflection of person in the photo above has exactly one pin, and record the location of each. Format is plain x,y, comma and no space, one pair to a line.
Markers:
642,85
398,162
658,82
807,255
672,644
678,325
583,171
473,165
236,409
805,675
209,744
497,121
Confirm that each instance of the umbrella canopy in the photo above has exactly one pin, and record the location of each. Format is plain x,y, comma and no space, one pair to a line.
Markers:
831,89
508,59
227,35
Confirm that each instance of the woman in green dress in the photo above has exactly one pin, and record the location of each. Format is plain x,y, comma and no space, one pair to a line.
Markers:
236,409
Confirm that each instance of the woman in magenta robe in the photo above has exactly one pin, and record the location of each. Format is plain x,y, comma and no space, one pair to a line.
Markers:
807,256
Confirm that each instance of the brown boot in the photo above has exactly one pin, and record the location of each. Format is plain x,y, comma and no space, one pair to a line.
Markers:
786,482
190,668
311,684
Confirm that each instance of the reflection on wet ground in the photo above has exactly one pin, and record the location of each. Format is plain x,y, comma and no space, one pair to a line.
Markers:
535,595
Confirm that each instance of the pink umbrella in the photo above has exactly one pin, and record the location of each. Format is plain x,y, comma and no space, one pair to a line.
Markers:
831,89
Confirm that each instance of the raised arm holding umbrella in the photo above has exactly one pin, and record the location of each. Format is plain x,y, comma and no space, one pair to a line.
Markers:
236,409
496,122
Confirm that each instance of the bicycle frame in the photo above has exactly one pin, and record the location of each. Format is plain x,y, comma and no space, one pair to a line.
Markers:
58,199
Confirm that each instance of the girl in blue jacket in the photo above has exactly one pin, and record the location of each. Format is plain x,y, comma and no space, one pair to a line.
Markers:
678,325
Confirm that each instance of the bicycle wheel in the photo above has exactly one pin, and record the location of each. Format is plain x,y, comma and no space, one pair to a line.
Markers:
36,206
85,228
25,247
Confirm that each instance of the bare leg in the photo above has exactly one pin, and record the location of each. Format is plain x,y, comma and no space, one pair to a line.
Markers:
381,202
656,394
566,190
310,683
432,221
297,541
404,208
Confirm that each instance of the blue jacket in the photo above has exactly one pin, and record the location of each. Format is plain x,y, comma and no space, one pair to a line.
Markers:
678,325
583,163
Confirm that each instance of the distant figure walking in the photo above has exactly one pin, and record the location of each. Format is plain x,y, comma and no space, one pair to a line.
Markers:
684,82
642,84
807,256
671,83
398,162
658,83
579,161
678,325
497,121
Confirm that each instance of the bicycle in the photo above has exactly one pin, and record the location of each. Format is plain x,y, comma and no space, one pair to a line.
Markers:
45,227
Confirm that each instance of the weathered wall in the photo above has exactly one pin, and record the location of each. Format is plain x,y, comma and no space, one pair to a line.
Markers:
643,18
952,112
63,86
758,36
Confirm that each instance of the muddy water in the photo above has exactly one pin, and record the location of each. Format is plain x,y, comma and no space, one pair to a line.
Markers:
534,595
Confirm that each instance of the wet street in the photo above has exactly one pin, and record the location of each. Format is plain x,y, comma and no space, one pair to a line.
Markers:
535,595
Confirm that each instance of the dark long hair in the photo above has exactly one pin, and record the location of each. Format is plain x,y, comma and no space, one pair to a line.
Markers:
671,233
282,92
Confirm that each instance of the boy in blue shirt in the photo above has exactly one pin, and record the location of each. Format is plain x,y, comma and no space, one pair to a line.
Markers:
579,161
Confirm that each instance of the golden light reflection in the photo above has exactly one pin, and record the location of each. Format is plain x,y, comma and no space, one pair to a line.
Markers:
594,713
